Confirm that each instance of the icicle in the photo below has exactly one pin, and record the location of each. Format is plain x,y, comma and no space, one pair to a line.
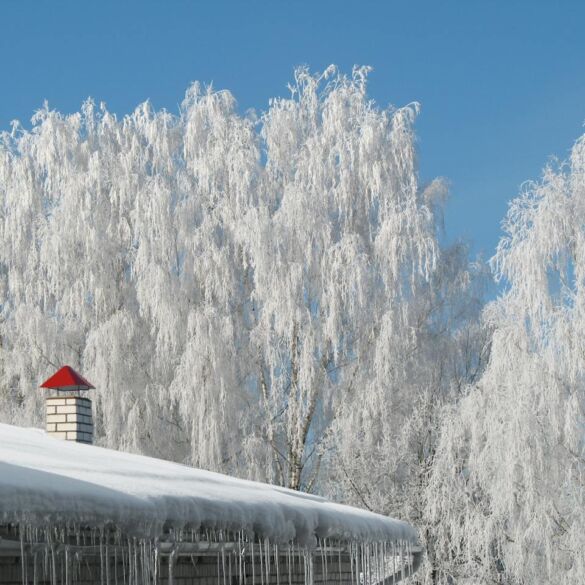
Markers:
223,565
131,576
253,561
124,566
54,566
358,579
22,555
267,559
229,558
288,564
261,562
172,558
394,563
135,557
67,568
241,560
102,570
324,560
277,562
35,568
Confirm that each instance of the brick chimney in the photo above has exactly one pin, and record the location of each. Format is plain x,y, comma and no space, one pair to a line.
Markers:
69,414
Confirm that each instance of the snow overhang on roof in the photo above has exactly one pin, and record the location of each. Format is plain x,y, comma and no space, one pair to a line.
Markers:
46,481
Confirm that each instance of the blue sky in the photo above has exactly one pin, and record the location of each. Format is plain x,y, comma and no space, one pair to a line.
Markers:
501,84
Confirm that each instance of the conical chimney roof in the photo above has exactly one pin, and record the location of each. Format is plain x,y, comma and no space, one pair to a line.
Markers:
67,379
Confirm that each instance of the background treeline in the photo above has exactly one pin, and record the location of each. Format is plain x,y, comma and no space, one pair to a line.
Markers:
269,296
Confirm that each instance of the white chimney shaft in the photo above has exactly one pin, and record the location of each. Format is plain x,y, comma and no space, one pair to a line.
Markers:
70,418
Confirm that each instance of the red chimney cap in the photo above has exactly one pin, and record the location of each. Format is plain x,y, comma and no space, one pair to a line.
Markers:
67,379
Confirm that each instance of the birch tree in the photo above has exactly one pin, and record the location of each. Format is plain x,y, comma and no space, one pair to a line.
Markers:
507,488
427,346
343,247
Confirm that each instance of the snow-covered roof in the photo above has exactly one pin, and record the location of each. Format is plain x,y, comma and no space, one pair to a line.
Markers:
46,480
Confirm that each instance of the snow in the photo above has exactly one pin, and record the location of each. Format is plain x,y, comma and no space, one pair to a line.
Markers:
47,481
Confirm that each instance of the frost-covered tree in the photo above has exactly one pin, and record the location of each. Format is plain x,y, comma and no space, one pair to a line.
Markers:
430,345
245,292
343,248
507,492
118,257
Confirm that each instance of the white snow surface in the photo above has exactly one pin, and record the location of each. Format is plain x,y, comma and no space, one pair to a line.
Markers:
47,481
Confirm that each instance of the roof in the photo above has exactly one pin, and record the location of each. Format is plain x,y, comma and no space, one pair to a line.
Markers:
67,379
47,480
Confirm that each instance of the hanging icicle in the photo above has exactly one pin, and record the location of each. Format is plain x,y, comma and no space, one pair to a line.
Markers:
107,557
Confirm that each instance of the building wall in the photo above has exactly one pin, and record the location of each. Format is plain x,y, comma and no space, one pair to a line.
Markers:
187,570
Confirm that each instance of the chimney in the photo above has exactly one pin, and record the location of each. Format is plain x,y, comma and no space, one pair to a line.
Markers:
69,414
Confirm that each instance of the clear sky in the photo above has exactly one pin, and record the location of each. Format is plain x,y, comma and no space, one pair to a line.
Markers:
501,84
